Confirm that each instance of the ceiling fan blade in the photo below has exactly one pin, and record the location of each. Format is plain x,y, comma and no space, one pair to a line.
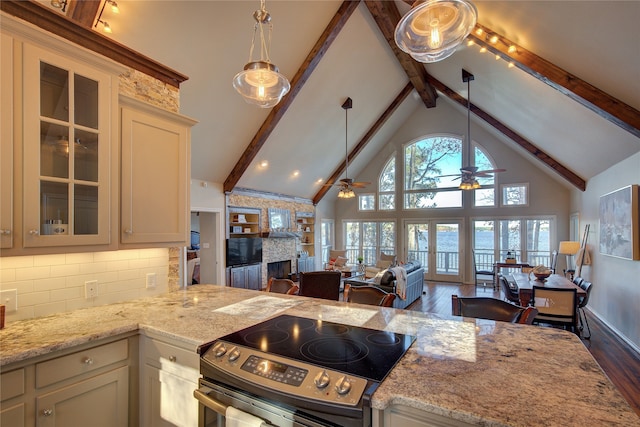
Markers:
491,171
444,176
361,184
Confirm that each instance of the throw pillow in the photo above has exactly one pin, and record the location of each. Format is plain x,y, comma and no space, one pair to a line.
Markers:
383,264
341,262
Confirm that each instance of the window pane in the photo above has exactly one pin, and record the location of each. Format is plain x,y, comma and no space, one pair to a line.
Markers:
388,237
538,242
430,199
366,202
54,92
54,150
387,202
388,176
484,197
514,195
426,160
482,162
510,238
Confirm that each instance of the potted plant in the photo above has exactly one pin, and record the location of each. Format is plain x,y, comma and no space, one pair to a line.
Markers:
360,259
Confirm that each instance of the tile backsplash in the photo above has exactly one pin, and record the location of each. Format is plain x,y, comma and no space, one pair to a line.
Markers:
51,284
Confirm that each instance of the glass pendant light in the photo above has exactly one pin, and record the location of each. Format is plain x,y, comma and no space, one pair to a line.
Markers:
260,83
432,30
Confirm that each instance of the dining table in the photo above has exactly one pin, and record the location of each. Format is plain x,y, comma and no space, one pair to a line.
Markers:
526,282
498,266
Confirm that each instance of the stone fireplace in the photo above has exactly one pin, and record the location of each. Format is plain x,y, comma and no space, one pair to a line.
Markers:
280,253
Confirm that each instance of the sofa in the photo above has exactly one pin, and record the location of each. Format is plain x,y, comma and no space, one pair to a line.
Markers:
386,281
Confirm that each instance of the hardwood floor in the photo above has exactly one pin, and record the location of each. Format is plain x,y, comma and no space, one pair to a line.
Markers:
619,361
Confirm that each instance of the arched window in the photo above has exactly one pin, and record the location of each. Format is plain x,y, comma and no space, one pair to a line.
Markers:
387,186
431,173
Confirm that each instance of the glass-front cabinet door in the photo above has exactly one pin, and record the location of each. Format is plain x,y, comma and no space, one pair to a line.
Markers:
67,146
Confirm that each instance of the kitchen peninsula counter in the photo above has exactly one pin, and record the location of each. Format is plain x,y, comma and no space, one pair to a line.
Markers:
474,371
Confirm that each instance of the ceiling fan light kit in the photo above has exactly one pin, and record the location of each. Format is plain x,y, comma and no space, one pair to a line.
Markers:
260,82
432,30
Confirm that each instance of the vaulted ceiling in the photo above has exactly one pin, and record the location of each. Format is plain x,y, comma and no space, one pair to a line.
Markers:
570,103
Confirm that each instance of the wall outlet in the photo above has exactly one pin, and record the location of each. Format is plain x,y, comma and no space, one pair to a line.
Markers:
151,280
9,298
90,289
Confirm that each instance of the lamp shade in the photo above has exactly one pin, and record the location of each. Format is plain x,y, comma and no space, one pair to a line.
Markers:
432,30
346,193
569,248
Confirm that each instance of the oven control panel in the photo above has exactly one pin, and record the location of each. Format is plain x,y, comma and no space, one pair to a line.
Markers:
285,375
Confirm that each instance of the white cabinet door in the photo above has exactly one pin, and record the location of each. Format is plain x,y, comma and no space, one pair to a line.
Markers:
100,401
155,176
6,141
67,151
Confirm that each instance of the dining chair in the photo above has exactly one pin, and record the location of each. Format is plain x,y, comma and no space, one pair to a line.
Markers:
556,306
368,295
577,280
582,303
320,284
492,309
282,286
510,290
482,272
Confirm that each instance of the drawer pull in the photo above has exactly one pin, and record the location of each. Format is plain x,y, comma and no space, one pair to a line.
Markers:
87,361
47,412
172,358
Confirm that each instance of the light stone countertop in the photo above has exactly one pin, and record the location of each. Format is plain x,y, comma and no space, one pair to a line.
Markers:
477,371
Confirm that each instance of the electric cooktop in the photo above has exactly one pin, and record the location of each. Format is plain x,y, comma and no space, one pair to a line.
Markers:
358,351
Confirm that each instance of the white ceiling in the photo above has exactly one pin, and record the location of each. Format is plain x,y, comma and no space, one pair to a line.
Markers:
209,41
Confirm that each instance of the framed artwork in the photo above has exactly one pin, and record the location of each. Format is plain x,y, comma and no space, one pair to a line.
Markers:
619,226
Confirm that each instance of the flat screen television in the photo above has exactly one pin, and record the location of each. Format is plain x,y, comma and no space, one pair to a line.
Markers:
243,251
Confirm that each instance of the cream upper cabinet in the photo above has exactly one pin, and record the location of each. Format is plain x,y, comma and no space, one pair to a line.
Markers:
6,144
155,170
68,147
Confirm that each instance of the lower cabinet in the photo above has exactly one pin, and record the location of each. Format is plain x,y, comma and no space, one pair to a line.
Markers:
85,386
245,277
100,401
405,416
306,264
169,377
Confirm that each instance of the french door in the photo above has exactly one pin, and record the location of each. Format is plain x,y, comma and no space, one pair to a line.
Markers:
437,244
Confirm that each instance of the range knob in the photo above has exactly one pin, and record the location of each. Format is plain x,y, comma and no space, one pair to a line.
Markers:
219,349
234,354
343,386
322,379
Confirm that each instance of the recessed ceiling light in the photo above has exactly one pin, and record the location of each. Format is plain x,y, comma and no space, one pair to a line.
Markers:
264,164
296,173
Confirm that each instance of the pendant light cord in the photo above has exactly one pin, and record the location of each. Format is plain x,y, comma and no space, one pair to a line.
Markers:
346,151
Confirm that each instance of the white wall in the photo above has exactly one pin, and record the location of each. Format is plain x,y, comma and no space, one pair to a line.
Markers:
547,195
615,297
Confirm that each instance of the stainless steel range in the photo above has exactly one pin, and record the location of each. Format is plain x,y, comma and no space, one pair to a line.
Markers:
293,371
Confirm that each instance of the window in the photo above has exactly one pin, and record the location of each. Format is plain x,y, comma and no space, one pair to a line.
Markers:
368,238
529,238
387,186
425,163
486,195
327,238
515,195
366,202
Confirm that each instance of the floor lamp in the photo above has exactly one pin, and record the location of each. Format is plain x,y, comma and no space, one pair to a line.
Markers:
569,249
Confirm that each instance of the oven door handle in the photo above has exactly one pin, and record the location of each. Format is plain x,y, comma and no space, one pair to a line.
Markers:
202,394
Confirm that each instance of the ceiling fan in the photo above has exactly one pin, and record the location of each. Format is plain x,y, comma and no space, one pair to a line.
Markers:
346,184
468,174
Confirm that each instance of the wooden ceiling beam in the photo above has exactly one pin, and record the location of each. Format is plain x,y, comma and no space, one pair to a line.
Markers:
364,141
297,82
69,29
84,12
532,149
601,103
387,16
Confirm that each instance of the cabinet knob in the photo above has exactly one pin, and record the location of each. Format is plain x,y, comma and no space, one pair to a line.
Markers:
172,358
34,232
5,232
128,231
47,412
87,361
